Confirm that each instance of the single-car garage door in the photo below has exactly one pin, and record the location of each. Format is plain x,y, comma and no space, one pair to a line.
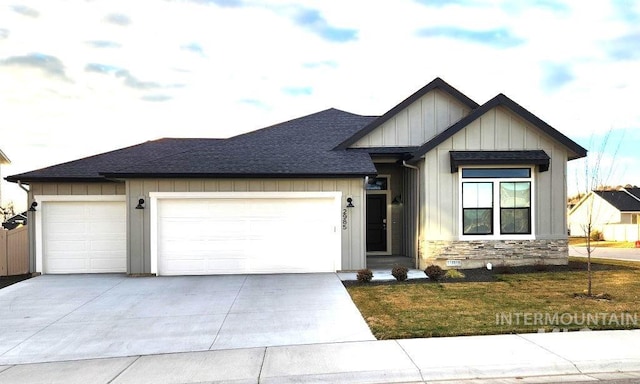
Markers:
83,236
248,234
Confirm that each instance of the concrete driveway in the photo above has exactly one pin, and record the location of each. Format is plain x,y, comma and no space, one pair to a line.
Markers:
70,317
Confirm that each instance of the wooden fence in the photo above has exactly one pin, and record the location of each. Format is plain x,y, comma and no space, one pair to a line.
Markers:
14,251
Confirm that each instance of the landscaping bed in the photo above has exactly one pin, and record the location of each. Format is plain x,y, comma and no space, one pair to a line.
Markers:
503,300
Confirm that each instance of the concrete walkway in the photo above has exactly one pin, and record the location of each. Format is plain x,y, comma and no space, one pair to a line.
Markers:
527,358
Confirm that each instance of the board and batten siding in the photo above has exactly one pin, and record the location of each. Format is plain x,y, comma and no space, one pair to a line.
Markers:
498,129
138,221
418,123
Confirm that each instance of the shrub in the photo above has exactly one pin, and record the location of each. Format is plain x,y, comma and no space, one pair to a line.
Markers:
400,272
503,269
596,235
540,266
433,272
364,275
454,274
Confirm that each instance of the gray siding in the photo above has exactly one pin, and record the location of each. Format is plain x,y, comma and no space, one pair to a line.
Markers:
498,129
138,247
418,123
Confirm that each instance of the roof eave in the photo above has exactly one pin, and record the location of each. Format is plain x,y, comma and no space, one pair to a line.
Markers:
166,175
50,179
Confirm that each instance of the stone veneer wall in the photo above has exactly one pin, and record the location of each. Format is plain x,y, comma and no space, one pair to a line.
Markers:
477,253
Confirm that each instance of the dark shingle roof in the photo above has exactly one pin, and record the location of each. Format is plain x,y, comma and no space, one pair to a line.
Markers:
88,168
299,147
621,200
635,191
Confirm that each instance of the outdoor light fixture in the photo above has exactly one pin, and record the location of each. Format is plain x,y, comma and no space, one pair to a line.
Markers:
397,200
140,204
33,206
350,202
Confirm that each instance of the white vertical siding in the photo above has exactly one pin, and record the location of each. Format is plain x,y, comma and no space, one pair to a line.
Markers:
418,123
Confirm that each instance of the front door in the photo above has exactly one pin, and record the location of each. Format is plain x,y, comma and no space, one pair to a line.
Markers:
377,223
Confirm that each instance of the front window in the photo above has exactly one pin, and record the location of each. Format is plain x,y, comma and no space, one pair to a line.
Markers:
496,202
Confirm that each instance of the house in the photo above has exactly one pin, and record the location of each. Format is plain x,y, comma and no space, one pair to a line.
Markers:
615,214
438,178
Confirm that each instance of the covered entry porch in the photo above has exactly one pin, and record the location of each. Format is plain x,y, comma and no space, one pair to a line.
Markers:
391,215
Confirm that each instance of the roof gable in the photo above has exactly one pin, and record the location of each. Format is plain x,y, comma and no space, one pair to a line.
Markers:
502,100
436,84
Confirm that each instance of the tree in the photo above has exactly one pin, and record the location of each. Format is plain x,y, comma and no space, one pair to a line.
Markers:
7,211
595,178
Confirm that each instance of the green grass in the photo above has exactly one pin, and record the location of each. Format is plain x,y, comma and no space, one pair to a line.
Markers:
430,309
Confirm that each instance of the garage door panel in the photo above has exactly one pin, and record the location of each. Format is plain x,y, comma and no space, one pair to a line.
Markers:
251,235
84,236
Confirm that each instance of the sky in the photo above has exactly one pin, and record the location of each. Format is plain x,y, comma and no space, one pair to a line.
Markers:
79,78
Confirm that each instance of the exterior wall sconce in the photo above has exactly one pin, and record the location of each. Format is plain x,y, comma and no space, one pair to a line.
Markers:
33,206
350,203
397,200
140,204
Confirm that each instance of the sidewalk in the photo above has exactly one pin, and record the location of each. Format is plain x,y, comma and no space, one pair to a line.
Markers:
526,358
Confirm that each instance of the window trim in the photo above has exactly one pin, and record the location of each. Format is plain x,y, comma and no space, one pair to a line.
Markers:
496,205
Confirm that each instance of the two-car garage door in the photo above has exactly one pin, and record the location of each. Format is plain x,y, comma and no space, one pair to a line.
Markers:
246,233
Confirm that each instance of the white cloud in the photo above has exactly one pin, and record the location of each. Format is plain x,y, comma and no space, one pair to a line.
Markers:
224,67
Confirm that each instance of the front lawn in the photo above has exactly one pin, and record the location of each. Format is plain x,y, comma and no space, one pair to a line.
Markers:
511,303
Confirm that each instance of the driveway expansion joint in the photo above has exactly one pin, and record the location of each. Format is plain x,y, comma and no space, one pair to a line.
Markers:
551,352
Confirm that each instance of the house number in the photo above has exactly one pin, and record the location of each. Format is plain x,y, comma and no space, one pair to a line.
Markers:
344,219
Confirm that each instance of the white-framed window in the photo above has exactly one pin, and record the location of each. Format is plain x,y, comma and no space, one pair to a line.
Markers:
497,203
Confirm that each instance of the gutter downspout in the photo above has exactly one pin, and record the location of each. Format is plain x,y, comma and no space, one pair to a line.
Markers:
22,186
417,230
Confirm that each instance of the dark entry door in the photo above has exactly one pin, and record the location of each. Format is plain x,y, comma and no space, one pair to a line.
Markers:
376,223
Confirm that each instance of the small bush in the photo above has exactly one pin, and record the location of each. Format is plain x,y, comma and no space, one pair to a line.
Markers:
597,235
503,269
433,272
364,275
454,274
400,272
540,266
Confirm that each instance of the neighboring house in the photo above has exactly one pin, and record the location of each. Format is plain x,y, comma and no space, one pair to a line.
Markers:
15,221
437,178
613,213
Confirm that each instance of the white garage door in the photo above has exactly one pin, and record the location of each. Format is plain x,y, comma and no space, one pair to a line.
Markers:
84,237
248,235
